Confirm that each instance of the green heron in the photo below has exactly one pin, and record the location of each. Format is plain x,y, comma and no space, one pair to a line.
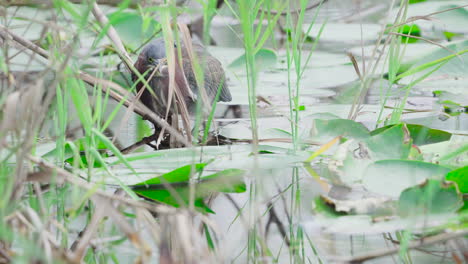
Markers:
154,55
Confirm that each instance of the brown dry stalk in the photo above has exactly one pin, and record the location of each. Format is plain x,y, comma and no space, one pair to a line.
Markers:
115,91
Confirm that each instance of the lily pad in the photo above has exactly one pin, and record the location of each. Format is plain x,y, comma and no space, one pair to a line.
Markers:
391,177
453,104
345,33
131,30
173,187
420,134
391,143
452,65
264,59
325,130
454,20
430,197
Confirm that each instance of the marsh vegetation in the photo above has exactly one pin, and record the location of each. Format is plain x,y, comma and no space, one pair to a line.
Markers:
346,139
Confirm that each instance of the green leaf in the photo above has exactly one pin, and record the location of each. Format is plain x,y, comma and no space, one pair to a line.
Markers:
173,188
131,30
391,177
430,197
416,1
421,135
450,35
326,130
460,177
453,62
453,103
411,30
390,143
264,58
74,152
323,207
181,174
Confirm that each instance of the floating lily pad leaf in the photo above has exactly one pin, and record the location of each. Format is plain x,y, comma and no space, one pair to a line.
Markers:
391,143
459,176
323,207
181,174
451,60
420,134
177,192
324,116
344,32
452,102
454,20
131,30
450,35
423,135
430,197
326,130
365,205
391,177
264,58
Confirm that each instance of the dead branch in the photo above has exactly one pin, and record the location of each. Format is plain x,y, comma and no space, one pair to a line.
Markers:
65,176
444,237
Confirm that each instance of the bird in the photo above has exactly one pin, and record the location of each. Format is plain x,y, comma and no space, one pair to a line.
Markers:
154,55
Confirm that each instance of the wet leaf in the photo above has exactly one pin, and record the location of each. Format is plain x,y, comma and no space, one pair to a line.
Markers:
391,143
453,20
452,102
460,177
264,58
181,174
173,187
421,135
326,130
130,28
430,197
412,30
391,177
365,205
322,206
344,32
451,60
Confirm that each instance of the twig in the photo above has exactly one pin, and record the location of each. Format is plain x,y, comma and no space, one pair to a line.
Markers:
5,34
117,92
81,183
424,39
275,219
386,252
142,142
120,49
113,36
426,17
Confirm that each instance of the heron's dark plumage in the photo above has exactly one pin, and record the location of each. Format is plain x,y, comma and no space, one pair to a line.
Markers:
214,77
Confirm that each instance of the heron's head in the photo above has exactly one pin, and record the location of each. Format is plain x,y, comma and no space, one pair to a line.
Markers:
153,53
